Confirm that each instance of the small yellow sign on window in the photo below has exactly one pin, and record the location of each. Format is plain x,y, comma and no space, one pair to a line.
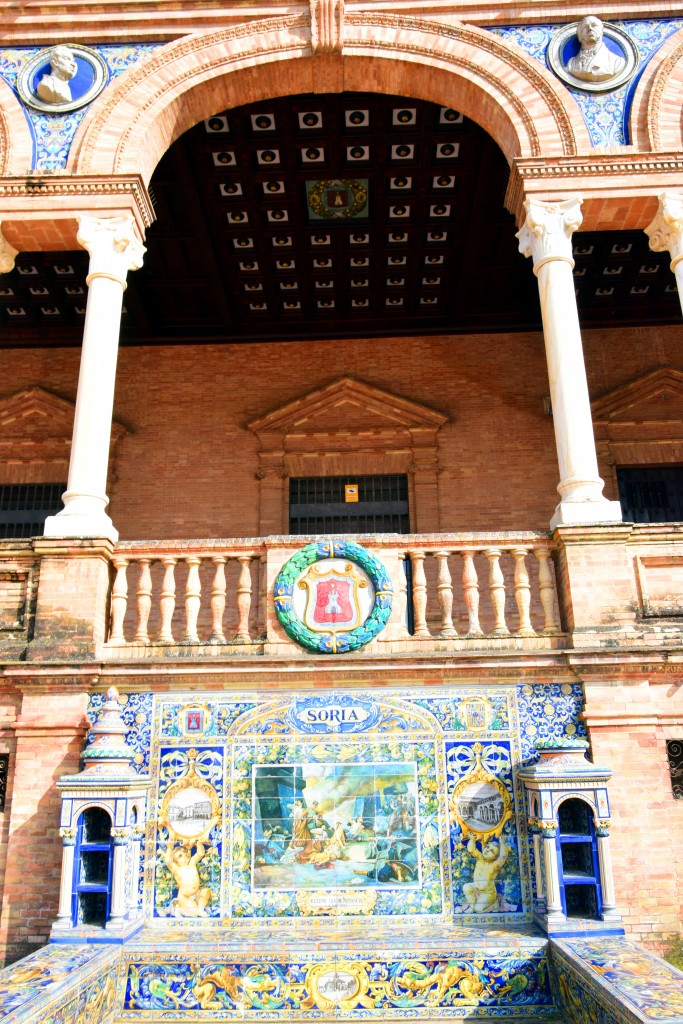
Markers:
350,492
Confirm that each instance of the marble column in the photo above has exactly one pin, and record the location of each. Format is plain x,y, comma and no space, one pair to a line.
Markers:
666,233
68,837
546,236
114,250
8,254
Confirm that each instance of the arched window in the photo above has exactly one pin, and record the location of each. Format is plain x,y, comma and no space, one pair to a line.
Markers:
92,869
578,860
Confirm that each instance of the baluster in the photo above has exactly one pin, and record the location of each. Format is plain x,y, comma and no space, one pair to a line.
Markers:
119,603
167,601
522,592
419,596
144,601
545,582
497,591
398,615
470,586
193,598
243,601
218,600
444,589
263,597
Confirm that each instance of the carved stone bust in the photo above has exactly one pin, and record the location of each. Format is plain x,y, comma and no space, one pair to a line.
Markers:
594,62
54,88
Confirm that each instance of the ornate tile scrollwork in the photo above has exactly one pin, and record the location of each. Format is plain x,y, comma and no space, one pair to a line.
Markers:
53,133
462,748
606,114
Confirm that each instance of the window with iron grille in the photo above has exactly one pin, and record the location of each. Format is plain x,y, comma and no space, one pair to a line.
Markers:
25,507
318,505
651,494
674,753
4,766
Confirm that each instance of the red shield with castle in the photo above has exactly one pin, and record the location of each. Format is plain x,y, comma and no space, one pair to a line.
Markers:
333,597
333,601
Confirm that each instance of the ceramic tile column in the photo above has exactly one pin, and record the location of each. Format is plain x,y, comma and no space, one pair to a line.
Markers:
609,899
119,902
137,838
552,875
68,837
666,233
546,236
114,250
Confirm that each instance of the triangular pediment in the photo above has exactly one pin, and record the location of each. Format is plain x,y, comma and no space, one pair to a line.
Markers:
655,398
34,415
348,406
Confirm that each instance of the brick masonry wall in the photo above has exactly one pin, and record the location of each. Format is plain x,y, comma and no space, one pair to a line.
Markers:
188,466
629,723
48,737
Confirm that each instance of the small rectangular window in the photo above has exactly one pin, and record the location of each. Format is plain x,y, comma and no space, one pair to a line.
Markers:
349,504
25,507
651,494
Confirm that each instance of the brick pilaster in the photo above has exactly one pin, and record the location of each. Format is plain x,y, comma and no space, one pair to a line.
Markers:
72,605
49,734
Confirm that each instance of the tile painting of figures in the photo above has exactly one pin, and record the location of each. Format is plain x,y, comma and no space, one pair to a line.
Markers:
327,826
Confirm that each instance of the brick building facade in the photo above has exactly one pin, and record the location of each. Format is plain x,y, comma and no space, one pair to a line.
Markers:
183,391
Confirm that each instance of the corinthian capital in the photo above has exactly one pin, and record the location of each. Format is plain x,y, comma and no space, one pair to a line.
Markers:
327,24
8,254
666,230
113,246
547,230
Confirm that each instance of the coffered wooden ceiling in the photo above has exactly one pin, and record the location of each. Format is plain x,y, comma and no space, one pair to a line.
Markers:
328,216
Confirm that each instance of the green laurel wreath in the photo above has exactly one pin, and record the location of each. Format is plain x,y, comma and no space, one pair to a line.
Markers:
333,643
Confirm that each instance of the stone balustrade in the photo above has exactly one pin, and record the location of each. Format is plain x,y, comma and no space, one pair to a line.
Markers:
584,587
474,588
187,593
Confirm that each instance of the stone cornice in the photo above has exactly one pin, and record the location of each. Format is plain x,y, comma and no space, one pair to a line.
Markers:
166,20
595,176
67,196
600,667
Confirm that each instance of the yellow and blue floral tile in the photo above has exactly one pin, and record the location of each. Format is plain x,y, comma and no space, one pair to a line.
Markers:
603,979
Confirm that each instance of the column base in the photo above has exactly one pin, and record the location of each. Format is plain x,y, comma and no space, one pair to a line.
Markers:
70,525
584,513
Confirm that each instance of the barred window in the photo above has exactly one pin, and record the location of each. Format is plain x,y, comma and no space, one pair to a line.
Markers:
651,494
4,765
377,504
25,507
674,753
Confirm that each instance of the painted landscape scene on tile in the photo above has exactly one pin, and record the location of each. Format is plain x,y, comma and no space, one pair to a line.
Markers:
321,826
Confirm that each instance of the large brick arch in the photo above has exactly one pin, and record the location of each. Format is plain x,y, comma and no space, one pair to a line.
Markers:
16,144
657,109
492,82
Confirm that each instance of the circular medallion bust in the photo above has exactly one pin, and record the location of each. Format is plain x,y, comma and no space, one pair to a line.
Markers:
62,78
592,56
332,597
